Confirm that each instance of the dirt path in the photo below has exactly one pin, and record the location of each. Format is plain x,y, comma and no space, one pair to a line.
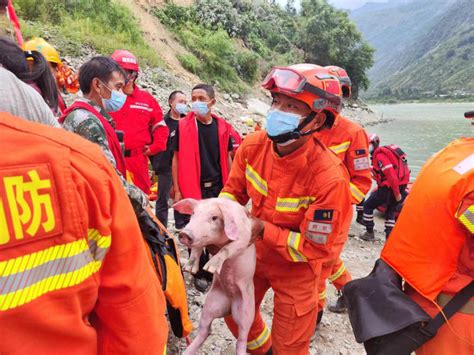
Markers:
159,38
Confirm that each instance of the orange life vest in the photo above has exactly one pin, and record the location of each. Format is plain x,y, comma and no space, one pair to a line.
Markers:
428,246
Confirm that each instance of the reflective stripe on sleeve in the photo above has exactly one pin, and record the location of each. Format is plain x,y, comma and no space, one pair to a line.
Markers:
260,340
28,277
228,195
340,148
356,193
387,167
467,218
256,180
293,243
322,295
338,273
293,204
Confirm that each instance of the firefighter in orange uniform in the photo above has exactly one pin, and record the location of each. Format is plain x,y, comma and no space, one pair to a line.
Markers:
74,273
300,204
432,244
349,142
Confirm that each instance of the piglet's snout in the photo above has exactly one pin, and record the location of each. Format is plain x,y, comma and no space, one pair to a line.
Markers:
186,237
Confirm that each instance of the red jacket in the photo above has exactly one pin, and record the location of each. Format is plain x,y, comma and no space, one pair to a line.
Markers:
141,120
112,139
387,169
189,164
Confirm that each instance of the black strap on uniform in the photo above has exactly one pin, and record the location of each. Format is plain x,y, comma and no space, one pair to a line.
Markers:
456,303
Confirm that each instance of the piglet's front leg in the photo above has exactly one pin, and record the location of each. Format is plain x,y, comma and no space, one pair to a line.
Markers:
214,265
193,262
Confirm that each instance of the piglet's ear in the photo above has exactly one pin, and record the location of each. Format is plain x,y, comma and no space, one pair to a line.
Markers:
235,219
186,206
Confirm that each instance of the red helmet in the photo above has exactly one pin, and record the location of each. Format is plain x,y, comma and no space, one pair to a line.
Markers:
374,139
343,77
125,59
309,83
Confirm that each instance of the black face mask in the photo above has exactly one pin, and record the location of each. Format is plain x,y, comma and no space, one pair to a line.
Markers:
296,134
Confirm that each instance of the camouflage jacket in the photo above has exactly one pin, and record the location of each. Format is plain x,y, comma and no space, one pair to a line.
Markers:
85,124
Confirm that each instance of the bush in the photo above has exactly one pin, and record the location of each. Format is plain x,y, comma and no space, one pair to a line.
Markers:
190,63
247,65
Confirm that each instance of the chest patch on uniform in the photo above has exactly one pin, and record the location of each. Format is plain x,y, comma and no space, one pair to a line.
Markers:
361,163
29,208
317,227
323,215
141,106
360,152
317,238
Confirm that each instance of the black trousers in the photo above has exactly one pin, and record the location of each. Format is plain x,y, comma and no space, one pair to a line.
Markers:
165,181
383,195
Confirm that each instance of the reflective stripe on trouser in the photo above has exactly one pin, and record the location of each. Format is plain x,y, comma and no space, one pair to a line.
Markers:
28,277
389,224
294,312
369,220
334,271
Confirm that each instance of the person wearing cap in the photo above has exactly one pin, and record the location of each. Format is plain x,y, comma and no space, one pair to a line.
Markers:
301,204
66,80
348,140
141,120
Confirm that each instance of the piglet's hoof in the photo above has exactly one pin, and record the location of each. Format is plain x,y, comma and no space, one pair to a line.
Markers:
214,265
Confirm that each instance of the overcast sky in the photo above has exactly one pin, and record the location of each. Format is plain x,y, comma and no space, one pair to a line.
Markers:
344,4
351,4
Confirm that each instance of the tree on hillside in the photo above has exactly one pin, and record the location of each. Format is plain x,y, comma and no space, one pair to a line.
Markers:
328,37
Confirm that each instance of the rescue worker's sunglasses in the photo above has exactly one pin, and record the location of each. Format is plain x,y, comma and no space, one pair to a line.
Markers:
292,82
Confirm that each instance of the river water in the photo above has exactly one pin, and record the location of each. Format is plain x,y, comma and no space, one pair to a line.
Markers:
422,129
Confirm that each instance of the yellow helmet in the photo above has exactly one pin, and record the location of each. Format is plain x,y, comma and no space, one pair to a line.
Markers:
47,50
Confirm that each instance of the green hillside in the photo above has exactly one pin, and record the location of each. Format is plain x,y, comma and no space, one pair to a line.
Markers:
423,48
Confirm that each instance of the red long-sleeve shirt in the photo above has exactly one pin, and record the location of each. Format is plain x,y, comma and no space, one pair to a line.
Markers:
141,120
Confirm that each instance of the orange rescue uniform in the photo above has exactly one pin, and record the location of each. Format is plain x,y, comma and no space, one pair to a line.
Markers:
304,200
349,142
74,272
432,244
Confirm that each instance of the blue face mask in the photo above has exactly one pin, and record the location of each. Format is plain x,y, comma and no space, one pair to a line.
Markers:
200,108
116,101
280,122
181,108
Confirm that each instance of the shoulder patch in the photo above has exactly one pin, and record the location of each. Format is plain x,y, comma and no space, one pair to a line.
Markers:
361,152
465,166
29,207
323,215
